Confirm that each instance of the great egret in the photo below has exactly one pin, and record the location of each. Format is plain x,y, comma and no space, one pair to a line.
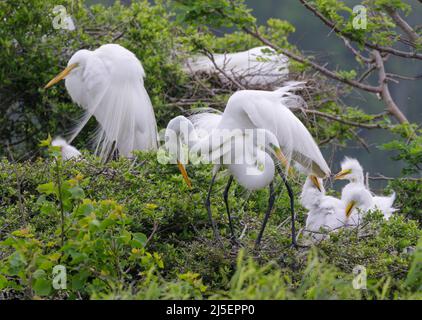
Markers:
257,66
352,170
324,212
251,110
253,167
68,152
108,83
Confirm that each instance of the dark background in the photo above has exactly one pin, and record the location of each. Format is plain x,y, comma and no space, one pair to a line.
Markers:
314,38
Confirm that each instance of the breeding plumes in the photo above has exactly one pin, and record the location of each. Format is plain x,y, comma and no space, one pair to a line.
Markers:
259,66
108,83
68,152
352,170
248,111
325,213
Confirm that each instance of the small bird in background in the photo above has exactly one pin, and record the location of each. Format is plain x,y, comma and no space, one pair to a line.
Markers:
108,83
260,66
325,213
352,170
68,152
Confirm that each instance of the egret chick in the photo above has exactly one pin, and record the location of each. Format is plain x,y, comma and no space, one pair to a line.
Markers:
352,170
325,212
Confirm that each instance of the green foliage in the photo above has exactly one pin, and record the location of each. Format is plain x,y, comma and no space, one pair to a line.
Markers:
409,148
33,52
147,243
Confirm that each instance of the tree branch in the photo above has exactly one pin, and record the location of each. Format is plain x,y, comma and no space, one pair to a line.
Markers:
385,90
407,29
314,65
332,25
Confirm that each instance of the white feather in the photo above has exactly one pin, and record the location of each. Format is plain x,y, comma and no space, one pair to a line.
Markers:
357,186
248,109
68,152
109,85
256,66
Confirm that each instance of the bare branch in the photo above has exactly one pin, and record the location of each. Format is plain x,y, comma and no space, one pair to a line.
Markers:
332,25
347,122
314,65
385,90
407,29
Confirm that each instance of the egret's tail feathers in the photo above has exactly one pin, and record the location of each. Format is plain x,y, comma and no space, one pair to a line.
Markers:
288,98
126,121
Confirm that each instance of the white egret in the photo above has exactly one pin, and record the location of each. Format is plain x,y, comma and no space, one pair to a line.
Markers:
324,212
352,170
358,201
256,66
253,166
252,110
108,83
68,152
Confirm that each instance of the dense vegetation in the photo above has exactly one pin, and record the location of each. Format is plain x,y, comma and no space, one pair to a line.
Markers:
131,228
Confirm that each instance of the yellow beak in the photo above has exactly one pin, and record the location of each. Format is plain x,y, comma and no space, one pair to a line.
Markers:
280,156
184,174
342,174
61,75
349,208
316,183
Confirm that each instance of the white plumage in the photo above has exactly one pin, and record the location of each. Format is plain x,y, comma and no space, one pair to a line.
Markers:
353,171
249,112
256,66
252,109
68,152
325,213
108,83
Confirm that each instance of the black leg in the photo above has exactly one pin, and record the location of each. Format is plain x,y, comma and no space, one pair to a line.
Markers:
226,201
208,206
271,201
292,205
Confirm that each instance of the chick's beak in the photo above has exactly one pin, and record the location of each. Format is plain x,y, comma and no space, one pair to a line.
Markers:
342,174
349,208
184,174
61,75
316,183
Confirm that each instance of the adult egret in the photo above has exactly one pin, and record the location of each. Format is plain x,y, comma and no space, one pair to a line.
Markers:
324,212
352,170
253,109
68,152
257,66
251,160
108,83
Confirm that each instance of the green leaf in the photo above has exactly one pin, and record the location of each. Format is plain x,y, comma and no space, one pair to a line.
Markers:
42,287
46,188
139,240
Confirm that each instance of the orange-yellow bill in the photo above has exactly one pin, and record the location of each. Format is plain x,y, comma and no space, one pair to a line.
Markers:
349,208
184,173
342,174
280,156
61,75
316,183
